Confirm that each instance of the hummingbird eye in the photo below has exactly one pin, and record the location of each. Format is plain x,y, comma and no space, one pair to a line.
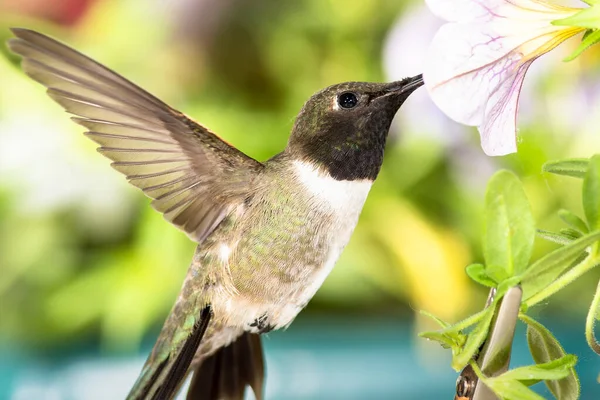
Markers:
347,100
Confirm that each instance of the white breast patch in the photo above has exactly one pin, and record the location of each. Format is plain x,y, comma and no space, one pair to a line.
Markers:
346,197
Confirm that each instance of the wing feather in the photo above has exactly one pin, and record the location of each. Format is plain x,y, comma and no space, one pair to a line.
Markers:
194,178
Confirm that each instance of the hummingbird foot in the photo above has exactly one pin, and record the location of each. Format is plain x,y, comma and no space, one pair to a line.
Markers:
261,324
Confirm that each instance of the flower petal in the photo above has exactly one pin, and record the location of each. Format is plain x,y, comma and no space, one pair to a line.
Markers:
411,34
498,132
460,10
466,62
475,65
464,65
485,10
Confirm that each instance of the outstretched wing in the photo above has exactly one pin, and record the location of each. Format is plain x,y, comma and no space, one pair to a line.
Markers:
193,177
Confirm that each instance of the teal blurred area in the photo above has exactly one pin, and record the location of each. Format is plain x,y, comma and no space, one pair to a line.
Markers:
317,358
89,271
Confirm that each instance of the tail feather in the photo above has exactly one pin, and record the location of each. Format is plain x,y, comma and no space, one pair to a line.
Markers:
168,364
225,374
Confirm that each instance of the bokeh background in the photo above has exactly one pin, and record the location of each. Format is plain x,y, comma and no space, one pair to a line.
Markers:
88,271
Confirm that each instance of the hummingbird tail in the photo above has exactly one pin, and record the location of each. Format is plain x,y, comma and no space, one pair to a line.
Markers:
164,372
225,374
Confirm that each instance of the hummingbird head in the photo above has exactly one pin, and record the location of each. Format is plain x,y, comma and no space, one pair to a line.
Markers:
343,128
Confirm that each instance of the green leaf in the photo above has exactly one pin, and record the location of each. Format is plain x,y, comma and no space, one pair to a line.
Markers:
509,227
511,390
586,18
590,38
553,370
478,274
544,349
474,339
582,264
466,323
451,336
571,233
507,389
445,340
554,237
545,270
530,382
505,285
441,323
575,167
573,221
591,193
590,322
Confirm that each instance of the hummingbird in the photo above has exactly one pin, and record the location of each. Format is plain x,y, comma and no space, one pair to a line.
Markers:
267,233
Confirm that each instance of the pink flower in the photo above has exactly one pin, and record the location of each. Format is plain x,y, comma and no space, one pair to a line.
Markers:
476,63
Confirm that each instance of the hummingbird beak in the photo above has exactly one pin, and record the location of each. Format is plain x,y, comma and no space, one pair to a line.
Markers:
405,87
395,93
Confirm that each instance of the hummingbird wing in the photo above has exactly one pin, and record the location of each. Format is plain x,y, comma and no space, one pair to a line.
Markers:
186,169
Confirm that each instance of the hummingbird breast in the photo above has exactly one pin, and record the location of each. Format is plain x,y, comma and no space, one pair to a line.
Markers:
289,240
269,260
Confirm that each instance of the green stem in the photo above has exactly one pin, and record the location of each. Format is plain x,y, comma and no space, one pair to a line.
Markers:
477,370
465,323
591,321
564,280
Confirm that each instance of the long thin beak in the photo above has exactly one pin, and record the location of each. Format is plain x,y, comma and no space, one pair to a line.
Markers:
405,86
397,92
413,83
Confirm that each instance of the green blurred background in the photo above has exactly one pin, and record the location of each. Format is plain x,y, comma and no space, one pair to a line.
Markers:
88,271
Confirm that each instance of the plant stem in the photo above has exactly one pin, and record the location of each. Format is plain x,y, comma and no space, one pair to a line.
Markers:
465,323
568,277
